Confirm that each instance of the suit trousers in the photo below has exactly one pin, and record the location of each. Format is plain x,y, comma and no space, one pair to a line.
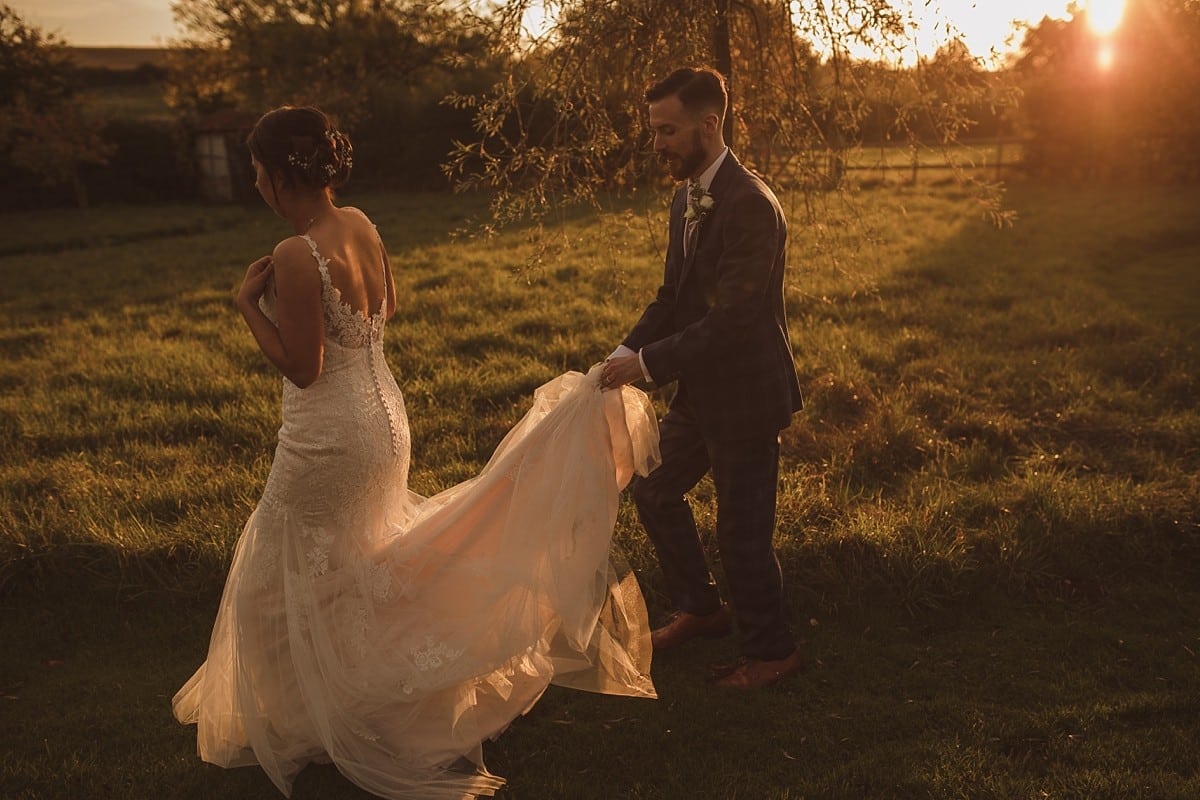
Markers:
745,474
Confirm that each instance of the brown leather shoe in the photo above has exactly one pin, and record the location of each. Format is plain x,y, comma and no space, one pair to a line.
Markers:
753,673
684,627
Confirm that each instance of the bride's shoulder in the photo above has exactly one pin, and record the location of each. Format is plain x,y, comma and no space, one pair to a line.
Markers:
358,214
292,253
354,211
297,272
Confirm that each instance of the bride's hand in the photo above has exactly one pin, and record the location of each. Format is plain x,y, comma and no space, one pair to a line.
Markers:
255,282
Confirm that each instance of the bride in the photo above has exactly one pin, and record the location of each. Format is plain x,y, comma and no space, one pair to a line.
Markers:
364,625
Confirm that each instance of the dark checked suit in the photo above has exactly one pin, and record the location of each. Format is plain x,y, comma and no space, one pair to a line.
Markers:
717,328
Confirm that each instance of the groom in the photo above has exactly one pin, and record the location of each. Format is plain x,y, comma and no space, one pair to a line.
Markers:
717,328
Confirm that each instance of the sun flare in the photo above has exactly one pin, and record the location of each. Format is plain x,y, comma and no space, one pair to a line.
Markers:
1105,15
1105,57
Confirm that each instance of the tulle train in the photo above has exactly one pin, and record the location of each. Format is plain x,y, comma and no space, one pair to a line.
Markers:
393,634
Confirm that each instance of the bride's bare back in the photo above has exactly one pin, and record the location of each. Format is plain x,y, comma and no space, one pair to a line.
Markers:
356,260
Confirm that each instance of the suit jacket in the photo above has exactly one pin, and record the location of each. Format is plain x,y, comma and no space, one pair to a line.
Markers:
717,323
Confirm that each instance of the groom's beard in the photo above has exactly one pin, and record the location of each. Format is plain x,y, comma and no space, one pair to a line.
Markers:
683,165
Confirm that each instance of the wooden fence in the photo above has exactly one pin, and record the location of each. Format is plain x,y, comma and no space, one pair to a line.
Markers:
999,157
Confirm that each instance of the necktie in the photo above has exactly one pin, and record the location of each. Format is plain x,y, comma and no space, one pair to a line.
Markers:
690,224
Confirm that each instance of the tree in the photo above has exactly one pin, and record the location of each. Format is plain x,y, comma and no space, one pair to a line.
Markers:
342,55
42,129
34,66
568,122
1135,117
1155,80
54,143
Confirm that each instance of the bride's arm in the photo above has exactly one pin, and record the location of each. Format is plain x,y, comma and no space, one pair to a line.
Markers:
296,345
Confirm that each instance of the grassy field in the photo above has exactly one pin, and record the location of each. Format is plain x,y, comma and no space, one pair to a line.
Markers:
988,519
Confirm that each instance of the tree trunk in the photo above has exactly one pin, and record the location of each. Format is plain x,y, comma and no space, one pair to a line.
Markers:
721,49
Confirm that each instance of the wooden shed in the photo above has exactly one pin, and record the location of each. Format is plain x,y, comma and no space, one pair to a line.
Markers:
221,157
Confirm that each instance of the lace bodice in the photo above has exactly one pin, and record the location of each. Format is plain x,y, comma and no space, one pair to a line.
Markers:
343,324
355,384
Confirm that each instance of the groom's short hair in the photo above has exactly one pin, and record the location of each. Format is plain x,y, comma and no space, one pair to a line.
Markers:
699,89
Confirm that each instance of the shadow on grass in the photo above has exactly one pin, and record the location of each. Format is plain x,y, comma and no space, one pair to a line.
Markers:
1074,700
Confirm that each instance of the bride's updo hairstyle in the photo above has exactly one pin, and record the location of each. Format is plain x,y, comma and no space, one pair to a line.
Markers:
304,146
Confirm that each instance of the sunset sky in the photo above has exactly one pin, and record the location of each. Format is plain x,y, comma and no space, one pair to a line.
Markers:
985,24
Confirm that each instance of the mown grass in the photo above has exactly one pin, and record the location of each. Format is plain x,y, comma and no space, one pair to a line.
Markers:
988,517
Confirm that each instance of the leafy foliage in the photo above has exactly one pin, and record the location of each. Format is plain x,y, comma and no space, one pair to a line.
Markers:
34,66
1135,117
343,56
42,130
568,122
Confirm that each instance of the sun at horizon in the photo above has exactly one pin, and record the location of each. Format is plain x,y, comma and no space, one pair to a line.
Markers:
1103,19
1104,16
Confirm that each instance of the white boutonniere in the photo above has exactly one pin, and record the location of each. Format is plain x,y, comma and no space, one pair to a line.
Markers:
700,203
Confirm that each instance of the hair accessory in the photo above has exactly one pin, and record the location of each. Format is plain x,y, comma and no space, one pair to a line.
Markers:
343,152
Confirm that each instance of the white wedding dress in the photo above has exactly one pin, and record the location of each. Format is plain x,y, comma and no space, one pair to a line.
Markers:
391,634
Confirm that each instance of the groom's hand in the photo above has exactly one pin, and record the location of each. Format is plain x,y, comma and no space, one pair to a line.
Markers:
620,371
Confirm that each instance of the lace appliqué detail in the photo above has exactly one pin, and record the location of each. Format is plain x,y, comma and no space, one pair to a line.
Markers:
352,329
434,655
361,731
296,606
318,556
343,324
270,497
381,583
354,627
264,564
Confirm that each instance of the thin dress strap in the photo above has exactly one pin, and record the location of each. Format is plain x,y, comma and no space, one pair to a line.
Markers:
322,261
